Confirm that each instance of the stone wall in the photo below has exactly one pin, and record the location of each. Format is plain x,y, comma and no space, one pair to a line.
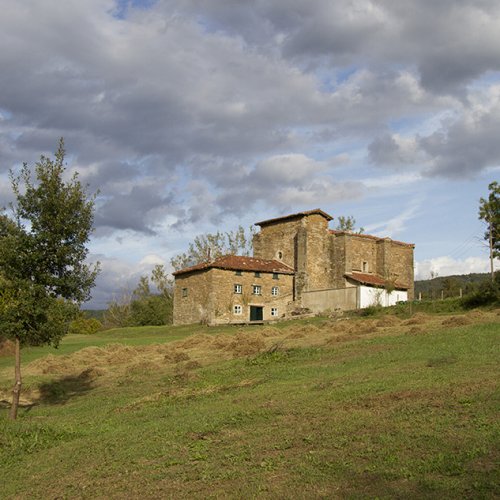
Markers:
193,298
400,265
363,255
321,301
278,237
301,243
225,297
210,296
318,265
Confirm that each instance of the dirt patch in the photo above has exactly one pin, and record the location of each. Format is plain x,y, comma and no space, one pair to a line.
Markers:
456,321
192,365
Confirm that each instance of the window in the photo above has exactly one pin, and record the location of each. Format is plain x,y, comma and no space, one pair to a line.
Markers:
184,292
365,266
274,311
276,276
238,288
280,254
274,291
238,309
238,273
257,274
257,290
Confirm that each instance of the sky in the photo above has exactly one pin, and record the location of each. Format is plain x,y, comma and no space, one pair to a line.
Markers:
193,116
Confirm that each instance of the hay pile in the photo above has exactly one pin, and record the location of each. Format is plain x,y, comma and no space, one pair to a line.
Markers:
198,350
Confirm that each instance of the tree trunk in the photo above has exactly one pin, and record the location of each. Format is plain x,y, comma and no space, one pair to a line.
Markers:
16,391
491,252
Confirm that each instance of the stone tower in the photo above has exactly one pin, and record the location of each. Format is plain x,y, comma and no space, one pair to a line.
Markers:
300,241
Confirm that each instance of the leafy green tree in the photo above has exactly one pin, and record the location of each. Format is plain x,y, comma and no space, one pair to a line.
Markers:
144,306
43,273
206,247
348,224
489,212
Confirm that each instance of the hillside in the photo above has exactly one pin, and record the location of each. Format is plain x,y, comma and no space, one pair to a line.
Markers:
380,407
450,284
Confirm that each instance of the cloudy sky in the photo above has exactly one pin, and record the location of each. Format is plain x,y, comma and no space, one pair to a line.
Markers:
196,115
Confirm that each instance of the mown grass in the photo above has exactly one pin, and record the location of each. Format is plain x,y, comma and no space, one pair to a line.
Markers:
400,415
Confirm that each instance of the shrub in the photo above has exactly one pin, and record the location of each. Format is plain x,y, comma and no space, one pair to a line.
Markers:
85,326
487,294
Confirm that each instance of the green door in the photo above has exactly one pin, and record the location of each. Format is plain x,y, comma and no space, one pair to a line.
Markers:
256,313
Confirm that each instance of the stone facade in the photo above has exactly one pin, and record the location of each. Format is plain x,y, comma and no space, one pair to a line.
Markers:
211,296
300,255
323,259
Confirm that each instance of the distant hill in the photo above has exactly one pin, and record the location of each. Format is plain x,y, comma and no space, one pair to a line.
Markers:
450,285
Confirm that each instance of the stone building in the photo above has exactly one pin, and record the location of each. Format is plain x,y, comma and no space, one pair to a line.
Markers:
298,263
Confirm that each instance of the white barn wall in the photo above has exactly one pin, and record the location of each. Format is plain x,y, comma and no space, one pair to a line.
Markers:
370,296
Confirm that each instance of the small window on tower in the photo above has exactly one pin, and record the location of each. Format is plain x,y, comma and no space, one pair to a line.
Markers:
365,266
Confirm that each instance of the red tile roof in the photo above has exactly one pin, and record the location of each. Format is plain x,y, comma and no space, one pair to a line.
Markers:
369,236
293,216
373,279
238,263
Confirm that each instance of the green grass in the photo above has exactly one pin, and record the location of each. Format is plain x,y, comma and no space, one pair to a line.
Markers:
392,416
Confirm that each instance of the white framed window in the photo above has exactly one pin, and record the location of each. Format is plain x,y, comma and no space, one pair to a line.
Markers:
238,309
275,291
274,311
257,290
238,288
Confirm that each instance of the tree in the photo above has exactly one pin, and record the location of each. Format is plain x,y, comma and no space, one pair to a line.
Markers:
43,274
206,247
348,223
143,306
489,212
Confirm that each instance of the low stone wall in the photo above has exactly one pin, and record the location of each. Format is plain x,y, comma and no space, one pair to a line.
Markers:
318,301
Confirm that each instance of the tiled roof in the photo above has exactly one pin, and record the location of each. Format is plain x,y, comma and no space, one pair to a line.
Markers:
373,279
369,236
293,216
238,263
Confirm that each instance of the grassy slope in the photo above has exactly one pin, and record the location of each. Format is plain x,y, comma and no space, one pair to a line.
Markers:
386,415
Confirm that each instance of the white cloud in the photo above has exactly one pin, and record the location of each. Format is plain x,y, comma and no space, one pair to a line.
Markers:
188,114
396,224
447,266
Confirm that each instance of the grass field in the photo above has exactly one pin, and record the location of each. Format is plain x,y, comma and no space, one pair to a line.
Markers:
364,408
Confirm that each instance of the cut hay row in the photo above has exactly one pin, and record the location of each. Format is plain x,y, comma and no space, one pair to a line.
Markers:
202,349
